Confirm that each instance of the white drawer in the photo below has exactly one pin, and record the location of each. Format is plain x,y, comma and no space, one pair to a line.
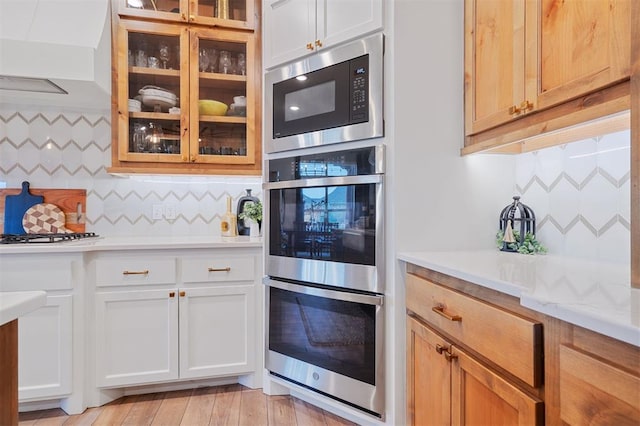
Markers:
135,271
203,269
36,272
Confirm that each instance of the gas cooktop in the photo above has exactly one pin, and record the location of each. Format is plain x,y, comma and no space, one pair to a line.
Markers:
44,238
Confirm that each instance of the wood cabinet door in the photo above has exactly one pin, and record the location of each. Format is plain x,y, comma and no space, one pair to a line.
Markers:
217,331
594,391
494,74
428,377
136,337
45,353
582,46
289,30
482,397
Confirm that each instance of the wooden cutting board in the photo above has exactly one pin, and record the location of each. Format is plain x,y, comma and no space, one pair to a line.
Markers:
15,206
44,218
72,202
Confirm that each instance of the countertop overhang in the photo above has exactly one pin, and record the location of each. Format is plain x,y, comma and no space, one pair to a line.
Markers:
132,243
593,295
14,304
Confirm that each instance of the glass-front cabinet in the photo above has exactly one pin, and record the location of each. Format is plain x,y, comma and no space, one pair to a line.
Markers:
186,97
224,13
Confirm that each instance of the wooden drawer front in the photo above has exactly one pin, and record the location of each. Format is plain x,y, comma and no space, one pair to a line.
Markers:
594,389
135,271
208,269
25,273
510,341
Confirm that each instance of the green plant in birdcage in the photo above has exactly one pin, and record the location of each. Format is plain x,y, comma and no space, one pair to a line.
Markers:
252,210
530,245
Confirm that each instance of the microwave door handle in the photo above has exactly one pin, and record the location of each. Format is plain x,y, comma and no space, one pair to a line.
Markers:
329,181
321,292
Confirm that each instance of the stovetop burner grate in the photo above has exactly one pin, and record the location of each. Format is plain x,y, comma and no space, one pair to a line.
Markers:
44,238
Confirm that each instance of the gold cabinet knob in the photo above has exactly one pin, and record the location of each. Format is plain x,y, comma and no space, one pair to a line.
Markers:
318,43
183,293
309,46
526,106
513,110
172,294
192,18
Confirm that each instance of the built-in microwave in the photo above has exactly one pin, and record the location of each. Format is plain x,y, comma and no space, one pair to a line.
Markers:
330,97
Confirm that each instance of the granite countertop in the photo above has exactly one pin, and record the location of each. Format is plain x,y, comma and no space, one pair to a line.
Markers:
107,243
14,304
594,295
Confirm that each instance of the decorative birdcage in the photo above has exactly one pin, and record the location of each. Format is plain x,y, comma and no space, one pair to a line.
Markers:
516,217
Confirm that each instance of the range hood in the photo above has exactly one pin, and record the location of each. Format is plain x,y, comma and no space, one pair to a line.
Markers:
67,42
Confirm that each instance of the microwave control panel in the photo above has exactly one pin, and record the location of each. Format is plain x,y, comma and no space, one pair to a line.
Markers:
359,68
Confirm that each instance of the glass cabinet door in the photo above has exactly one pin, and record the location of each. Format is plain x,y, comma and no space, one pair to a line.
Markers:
169,10
223,98
153,93
224,13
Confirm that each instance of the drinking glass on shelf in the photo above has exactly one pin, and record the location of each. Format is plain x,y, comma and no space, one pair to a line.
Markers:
213,59
242,64
164,54
204,59
225,62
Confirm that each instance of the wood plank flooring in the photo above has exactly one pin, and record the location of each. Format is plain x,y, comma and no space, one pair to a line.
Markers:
219,406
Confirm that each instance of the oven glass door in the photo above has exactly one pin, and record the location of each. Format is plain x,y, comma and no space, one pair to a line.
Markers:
334,223
333,334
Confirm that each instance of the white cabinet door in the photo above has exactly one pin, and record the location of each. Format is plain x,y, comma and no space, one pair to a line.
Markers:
136,337
296,28
342,20
289,25
217,331
45,350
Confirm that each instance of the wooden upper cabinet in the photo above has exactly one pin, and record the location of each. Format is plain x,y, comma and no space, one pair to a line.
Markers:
525,56
494,62
237,14
582,46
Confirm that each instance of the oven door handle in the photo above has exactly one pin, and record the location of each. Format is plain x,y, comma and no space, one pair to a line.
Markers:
321,292
328,181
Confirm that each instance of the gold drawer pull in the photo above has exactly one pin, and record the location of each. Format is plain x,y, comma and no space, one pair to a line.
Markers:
227,269
439,309
145,272
183,293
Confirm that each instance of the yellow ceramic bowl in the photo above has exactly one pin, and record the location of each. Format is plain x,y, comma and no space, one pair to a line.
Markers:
211,107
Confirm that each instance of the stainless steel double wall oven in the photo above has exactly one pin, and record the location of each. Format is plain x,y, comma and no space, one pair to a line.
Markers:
325,274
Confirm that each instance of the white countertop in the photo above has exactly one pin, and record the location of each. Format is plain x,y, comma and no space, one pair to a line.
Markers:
132,243
14,304
594,295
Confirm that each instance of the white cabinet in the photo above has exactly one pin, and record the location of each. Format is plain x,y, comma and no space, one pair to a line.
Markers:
44,350
295,28
136,337
162,318
217,330
45,336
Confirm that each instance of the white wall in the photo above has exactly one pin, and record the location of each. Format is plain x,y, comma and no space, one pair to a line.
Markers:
442,200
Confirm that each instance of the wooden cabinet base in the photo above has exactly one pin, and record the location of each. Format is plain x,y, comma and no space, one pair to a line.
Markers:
9,369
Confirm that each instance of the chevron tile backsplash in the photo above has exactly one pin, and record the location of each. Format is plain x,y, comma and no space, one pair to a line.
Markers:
580,192
72,150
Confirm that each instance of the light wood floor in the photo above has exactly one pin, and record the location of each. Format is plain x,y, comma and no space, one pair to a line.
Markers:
220,405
